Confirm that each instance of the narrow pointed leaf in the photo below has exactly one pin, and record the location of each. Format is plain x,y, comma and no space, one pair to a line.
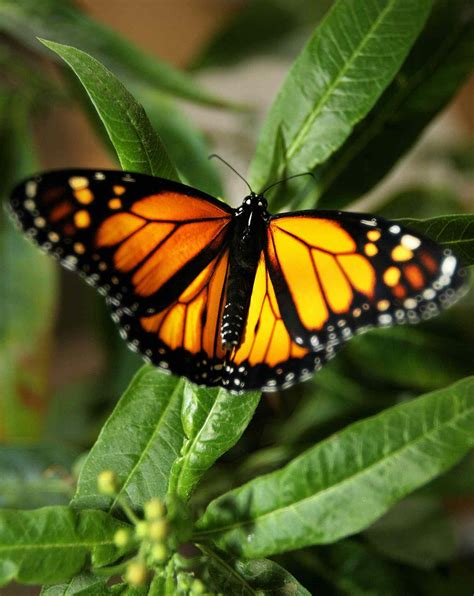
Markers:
138,146
247,578
52,544
213,420
453,231
343,484
337,78
61,21
139,442
437,66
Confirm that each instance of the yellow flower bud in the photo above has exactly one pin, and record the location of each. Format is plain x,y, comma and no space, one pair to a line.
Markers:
154,509
137,573
197,587
108,483
159,553
141,529
158,530
122,537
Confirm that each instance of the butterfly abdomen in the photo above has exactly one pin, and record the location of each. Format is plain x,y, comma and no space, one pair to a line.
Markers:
246,247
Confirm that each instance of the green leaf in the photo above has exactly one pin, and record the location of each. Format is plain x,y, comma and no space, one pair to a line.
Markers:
343,484
259,27
337,78
81,585
138,146
453,231
417,532
437,66
213,421
238,577
60,21
52,544
140,442
35,476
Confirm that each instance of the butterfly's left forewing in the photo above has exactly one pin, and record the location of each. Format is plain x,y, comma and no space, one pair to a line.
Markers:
141,240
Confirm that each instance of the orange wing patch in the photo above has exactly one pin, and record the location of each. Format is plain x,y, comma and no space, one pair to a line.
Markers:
175,206
266,339
192,322
319,263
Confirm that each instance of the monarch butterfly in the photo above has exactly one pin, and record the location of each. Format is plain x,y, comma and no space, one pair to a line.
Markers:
227,297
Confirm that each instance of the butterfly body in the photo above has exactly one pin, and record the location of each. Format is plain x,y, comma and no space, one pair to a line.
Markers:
248,235
236,298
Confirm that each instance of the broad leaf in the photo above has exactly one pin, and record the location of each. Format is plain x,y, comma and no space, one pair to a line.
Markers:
138,146
35,476
343,484
213,421
453,231
53,544
140,442
63,23
340,74
81,585
238,577
438,64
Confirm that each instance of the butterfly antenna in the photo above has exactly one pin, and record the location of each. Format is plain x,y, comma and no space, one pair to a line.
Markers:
289,178
231,168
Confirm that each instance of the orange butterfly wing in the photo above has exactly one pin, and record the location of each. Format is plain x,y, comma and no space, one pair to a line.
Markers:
141,240
337,274
325,276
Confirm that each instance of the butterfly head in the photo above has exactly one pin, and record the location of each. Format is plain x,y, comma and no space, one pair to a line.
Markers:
256,202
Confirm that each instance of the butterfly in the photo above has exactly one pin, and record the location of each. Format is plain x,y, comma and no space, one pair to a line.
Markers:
237,298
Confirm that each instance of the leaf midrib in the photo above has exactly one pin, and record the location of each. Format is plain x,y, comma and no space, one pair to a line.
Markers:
130,121
145,451
334,486
294,145
56,545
